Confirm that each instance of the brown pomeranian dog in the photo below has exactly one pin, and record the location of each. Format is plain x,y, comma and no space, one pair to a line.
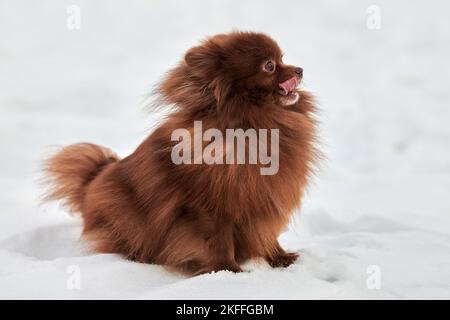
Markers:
194,216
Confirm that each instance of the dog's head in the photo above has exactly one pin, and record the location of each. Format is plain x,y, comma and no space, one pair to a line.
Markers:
245,66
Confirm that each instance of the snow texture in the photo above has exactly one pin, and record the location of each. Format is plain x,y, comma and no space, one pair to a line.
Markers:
379,206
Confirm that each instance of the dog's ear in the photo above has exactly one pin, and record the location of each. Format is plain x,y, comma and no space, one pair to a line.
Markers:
205,62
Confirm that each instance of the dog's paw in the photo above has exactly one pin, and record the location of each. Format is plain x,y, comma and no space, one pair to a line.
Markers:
233,267
283,260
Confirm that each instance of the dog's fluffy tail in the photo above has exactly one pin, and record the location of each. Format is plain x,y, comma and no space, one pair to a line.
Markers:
69,172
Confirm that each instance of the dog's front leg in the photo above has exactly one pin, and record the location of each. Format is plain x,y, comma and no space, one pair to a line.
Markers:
280,258
221,246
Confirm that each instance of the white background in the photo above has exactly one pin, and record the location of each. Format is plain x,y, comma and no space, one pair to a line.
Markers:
382,198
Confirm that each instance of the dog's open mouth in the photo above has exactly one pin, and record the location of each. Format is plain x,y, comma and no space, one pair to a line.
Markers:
288,92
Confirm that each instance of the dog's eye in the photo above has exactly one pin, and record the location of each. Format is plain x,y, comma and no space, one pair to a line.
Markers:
269,66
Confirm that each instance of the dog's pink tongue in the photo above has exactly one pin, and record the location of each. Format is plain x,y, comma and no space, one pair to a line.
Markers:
289,85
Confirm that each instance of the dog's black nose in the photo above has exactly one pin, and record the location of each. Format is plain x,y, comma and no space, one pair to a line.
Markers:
299,71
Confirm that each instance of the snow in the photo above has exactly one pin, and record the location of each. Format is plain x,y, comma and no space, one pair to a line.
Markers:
380,202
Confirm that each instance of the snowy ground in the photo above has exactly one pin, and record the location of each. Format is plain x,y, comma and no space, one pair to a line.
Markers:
381,201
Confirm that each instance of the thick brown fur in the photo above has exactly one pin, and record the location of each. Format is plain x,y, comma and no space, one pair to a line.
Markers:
198,218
